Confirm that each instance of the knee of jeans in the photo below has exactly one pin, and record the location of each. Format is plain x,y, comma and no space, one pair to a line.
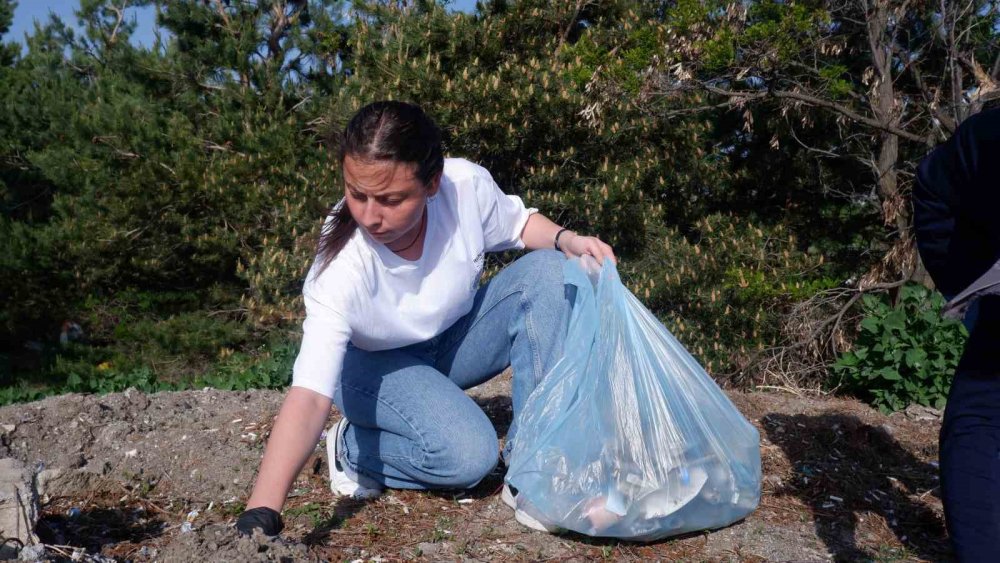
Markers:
545,259
545,270
463,457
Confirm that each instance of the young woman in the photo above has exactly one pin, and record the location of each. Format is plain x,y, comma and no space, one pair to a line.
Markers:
397,325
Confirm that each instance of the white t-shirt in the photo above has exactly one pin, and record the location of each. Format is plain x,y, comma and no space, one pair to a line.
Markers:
377,300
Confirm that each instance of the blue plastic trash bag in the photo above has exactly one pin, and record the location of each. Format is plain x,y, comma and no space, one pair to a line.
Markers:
628,436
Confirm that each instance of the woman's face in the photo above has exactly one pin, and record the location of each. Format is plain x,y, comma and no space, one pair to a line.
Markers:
386,198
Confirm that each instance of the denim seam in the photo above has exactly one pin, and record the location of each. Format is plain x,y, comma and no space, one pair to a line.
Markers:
520,288
529,329
382,457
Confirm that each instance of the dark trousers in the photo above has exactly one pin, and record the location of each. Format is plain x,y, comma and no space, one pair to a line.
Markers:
970,448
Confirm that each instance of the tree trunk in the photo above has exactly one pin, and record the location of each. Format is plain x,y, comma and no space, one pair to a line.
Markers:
885,106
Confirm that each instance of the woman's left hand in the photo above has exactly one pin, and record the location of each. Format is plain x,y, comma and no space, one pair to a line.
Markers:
578,245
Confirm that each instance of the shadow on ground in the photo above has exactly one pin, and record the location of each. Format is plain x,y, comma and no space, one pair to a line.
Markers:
846,470
98,527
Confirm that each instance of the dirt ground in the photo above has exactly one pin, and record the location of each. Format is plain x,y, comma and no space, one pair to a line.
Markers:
162,477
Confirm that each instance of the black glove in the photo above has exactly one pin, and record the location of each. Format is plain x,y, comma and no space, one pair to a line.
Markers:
267,519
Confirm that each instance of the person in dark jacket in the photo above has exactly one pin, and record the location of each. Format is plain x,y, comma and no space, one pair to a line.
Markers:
956,203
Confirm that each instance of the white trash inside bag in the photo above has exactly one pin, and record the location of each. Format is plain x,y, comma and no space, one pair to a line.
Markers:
628,436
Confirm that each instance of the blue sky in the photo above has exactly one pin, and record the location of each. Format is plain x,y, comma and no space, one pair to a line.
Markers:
28,11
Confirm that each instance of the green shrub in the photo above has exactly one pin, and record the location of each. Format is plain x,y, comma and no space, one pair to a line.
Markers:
187,334
19,394
905,353
270,369
723,289
141,189
84,369
111,381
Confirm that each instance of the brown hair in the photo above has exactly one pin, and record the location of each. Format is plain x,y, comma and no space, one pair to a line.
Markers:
385,130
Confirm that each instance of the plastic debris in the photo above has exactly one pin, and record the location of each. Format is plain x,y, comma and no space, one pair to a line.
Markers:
73,512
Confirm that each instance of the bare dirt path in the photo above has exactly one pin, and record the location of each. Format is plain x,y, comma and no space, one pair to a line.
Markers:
121,474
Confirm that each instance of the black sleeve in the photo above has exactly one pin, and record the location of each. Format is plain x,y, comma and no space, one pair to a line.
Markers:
956,200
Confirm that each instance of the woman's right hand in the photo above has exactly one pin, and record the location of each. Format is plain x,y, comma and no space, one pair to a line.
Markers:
293,438
265,519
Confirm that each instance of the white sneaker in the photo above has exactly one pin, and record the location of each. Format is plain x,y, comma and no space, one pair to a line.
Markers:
343,480
508,496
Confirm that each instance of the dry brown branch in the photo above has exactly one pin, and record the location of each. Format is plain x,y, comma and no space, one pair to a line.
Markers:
120,15
221,10
817,102
813,335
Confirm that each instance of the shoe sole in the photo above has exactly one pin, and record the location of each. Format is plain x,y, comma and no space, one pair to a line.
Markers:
529,521
508,498
333,452
522,517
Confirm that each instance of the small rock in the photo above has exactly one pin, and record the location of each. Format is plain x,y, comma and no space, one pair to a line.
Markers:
137,398
772,480
60,482
428,549
920,412
32,553
18,501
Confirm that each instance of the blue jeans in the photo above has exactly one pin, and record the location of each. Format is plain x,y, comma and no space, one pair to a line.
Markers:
411,425
970,444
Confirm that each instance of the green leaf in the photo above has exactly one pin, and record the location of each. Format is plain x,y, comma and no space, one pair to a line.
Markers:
870,324
889,374
915,357
895,320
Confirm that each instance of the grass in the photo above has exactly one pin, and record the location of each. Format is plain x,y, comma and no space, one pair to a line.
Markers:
316,512
441,531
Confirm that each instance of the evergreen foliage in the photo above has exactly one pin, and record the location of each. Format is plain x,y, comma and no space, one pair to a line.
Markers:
168,199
